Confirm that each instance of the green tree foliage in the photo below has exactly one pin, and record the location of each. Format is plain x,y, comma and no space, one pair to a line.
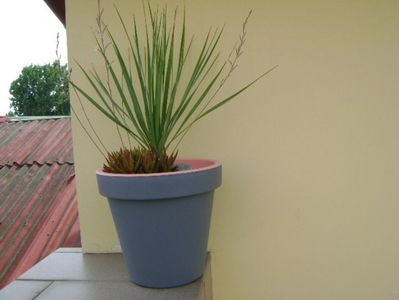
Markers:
41,90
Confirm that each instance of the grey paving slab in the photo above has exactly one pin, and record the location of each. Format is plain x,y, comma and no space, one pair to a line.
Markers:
78,266
69,250
105,290
23,290
206,291
69,274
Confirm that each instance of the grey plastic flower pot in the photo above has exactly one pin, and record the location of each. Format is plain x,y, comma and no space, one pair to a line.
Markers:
163,221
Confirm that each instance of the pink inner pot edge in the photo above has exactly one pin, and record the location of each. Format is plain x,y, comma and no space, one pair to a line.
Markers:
197,165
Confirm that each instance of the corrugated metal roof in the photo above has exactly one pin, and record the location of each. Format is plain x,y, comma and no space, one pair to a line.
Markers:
38,204
39,141
33,118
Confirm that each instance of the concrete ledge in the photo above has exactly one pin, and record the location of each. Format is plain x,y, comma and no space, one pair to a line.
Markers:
69,274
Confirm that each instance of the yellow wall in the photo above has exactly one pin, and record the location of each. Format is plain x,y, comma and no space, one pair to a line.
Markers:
309,206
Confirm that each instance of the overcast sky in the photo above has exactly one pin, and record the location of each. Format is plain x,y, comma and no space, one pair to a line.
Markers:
28,32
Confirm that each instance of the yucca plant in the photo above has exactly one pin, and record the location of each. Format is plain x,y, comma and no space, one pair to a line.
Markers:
144,92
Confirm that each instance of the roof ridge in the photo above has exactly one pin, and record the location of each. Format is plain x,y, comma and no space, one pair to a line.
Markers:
36,163
30,118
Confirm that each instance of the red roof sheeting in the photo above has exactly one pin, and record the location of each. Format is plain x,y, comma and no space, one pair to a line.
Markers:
38,204
38,141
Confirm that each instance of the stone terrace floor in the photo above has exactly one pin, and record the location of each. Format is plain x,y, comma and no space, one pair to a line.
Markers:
67,274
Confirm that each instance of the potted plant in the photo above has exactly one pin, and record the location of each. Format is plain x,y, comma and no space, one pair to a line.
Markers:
154,93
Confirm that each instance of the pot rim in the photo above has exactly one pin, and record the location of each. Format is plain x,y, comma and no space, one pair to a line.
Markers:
198,165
